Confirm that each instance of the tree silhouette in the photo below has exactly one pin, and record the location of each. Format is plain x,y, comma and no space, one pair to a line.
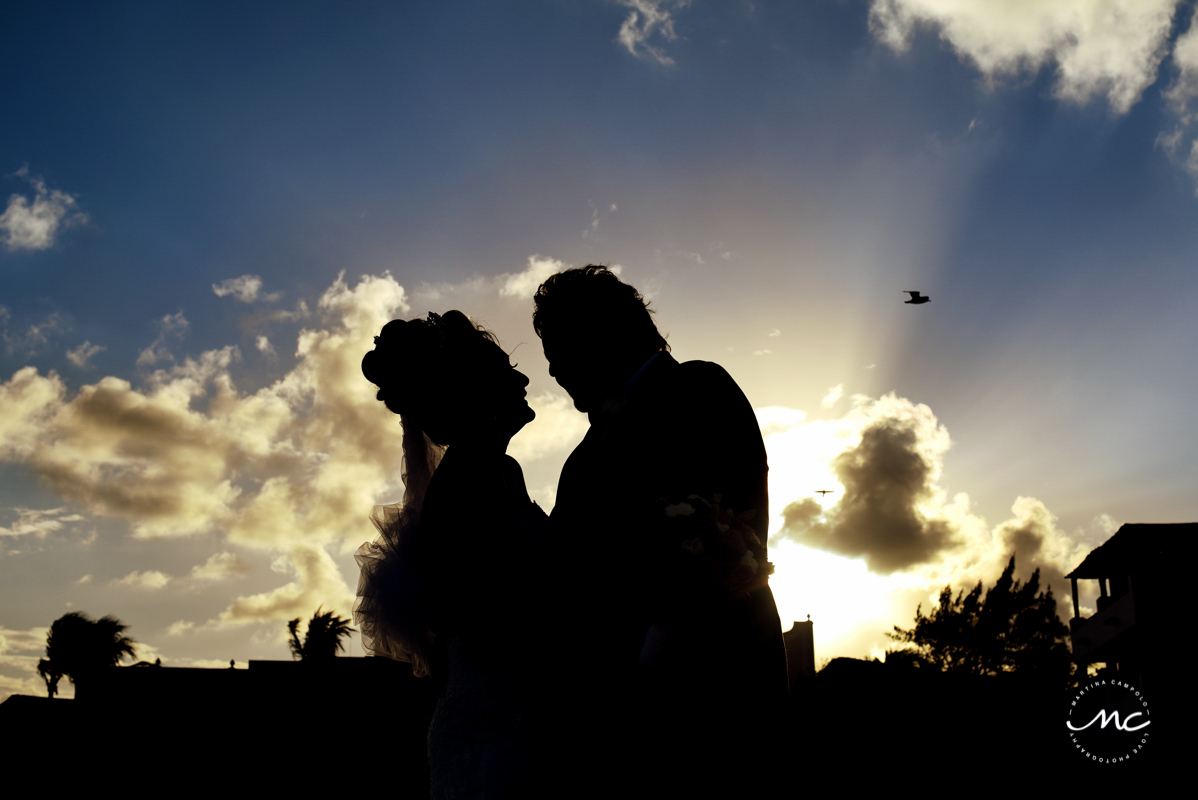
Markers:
77,645
323,639
1014,629
50,675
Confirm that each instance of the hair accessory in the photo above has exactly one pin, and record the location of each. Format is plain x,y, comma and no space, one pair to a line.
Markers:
439,327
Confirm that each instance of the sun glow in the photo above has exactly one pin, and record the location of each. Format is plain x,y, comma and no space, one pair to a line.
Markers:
840,594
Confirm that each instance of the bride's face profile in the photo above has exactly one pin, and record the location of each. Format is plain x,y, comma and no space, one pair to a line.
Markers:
497,403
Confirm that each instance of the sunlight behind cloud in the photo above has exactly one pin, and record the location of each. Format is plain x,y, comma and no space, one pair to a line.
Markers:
888,536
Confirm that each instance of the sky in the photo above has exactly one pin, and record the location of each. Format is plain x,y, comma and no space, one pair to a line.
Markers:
208,209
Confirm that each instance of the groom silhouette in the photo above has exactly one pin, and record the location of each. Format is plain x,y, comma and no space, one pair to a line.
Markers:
662,694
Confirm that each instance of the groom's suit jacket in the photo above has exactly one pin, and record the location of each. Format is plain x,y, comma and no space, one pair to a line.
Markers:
681,429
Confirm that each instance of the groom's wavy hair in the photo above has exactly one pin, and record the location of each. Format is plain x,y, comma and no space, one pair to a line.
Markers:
593,297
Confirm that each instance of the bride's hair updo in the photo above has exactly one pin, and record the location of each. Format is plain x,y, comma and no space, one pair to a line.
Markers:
422,368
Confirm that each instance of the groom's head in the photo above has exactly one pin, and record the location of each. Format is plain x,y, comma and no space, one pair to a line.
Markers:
596,331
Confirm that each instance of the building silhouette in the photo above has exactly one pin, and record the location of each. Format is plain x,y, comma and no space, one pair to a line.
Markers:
312,726
800,650
1141,604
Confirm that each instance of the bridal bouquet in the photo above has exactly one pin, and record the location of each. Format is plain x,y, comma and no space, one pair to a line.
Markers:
719,551
714,556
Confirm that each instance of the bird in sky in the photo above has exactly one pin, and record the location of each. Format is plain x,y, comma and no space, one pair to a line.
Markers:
822,492
916,297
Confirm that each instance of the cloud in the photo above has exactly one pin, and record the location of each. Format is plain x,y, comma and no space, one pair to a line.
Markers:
292,467
220,567
39,523
596,217
29,401
21,650
834,394
648,20
1180,96
264,346
83,353
888,513
317,583
244,288
180,627
171,326
27,341
1106,524
1098,47
150,579
525,284
300,458
33,224
888,477
263,316
558,427
1184,88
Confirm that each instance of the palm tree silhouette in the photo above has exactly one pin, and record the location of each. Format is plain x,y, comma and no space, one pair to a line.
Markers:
77,645
323,639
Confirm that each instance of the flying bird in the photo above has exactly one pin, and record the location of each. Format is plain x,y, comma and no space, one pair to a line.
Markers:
916,297
822,492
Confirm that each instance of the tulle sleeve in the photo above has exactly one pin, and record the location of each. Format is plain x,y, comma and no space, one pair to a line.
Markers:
392,606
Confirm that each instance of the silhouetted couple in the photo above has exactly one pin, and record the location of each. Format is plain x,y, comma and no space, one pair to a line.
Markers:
626,646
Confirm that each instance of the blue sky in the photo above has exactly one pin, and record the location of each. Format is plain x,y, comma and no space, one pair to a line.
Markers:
211,207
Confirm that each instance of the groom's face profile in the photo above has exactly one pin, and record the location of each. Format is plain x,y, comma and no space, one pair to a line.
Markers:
577,361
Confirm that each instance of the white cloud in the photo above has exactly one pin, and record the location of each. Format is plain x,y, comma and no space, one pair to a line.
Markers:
244,288
1099,47
264,346
1184,88
558,427
1106,524
834,394
317,583
172,326
648,20
150,579
524,284
83,353
180,627
33,225
27,341
39,523
219,567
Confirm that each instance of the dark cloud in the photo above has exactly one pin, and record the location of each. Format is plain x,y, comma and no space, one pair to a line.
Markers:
886,477
1034,539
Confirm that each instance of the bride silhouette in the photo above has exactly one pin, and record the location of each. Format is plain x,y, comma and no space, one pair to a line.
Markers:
449,583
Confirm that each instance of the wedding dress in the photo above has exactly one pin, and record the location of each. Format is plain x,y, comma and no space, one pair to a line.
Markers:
455,569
